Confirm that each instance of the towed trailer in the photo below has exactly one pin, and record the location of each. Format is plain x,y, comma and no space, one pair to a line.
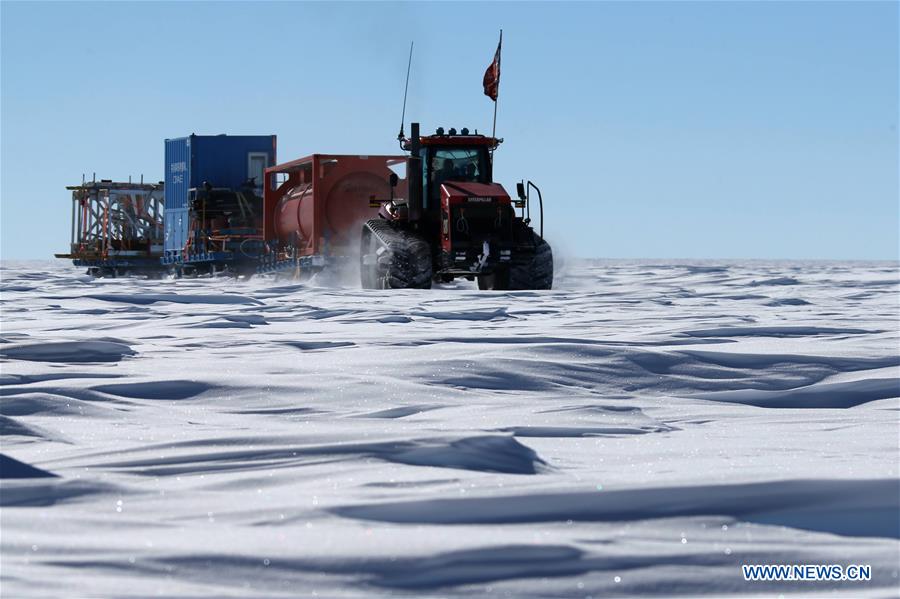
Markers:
214,188
314,207
227,210
117,228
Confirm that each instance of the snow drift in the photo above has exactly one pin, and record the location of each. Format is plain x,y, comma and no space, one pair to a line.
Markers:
645,428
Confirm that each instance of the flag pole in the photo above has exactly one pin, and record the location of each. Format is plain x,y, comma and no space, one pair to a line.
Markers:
494,131
499,59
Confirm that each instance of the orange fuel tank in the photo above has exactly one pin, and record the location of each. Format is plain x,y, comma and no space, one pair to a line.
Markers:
318,204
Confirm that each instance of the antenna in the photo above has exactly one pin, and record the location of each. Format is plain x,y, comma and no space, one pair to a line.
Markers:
405,91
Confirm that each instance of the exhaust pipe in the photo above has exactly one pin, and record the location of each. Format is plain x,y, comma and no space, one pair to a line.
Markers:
414,201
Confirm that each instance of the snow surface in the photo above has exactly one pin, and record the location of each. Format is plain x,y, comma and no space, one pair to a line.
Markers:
643,429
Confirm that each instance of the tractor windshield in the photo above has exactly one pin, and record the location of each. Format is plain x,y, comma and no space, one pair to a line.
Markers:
458,164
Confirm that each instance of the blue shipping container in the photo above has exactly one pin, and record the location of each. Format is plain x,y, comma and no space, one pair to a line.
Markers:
220,160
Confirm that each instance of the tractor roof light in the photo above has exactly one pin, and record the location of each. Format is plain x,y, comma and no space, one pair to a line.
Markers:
452,131
440,131
465,131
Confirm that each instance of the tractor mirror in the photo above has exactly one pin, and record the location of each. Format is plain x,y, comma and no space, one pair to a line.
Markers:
520,190
394,179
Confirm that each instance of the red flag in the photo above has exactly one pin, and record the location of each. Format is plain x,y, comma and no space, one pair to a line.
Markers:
492,75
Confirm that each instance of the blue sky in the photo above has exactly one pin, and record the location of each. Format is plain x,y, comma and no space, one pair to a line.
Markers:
655,130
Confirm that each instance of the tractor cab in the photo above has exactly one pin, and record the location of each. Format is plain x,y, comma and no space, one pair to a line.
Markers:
451,157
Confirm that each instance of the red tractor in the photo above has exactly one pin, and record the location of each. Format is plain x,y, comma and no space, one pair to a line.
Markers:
455,222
